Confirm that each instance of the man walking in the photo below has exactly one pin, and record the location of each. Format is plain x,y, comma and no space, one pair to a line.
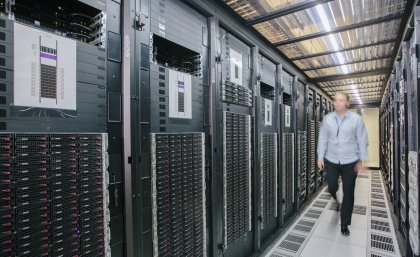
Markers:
342,148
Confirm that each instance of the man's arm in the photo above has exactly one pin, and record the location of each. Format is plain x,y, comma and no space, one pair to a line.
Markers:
362,140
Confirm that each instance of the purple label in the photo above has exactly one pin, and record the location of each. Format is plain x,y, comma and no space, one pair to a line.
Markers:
49,56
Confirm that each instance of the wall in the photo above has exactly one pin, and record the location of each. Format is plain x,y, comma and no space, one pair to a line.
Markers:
371,119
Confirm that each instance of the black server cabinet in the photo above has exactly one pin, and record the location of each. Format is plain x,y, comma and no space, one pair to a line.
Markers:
323,112
394,132
390,168
172,121
330,107
312,149
287,146
318,121
413,136
54,146
233,107
401,95
265,150
302,144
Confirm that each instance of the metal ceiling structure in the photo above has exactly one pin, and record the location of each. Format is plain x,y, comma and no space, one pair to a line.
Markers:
341,45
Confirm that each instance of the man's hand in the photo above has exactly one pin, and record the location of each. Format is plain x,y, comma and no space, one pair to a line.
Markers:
321,164
359,166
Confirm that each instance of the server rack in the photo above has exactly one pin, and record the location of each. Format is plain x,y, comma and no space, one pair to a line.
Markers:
266,151
233,108
312,150
302,146
405,73
54,146
395,135
413,138
287,114
170,128
318,120
323,112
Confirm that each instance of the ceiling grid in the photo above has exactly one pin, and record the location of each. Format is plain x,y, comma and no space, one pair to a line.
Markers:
341,45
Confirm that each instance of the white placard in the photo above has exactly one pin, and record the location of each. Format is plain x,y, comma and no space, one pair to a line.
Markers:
180,101
44,69
268,107
287,116
235,67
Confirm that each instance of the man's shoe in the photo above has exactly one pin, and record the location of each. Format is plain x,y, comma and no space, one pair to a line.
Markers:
345,231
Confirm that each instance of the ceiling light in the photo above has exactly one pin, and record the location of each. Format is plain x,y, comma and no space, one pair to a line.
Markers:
325,22
323,16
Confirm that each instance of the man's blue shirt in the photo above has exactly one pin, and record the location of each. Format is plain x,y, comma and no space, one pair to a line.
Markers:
343,140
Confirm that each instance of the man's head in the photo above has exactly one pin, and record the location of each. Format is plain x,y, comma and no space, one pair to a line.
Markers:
341,101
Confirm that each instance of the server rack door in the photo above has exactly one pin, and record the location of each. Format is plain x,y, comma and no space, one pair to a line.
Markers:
236,102
312,155
318,108
173,135
54,148
301,126
413,137
395,144
288,145
403,170
266,149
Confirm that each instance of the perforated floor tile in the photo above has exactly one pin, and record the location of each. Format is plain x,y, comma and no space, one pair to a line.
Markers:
317,231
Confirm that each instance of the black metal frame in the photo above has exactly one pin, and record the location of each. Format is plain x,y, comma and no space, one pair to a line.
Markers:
351,75
341,29
355,62
288,10
384,42
364,83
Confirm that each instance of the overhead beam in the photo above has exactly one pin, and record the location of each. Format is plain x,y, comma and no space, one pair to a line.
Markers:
374,85
286,11
373,104
365,94
355,62
352,75
355,83
365,90
362,24
383,42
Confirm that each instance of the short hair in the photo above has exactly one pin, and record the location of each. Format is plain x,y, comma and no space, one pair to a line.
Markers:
345,94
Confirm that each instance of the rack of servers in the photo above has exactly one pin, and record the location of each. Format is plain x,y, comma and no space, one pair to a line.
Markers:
57,168
311,144
301,143
399,145
131,140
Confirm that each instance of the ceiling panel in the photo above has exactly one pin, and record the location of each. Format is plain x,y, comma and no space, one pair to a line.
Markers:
353,81
251,8
333,26
350,38
364,66
351,56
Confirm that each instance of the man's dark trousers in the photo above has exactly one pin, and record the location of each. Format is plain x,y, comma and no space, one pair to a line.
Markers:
348,176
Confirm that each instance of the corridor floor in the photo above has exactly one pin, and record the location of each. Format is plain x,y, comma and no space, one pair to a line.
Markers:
316,233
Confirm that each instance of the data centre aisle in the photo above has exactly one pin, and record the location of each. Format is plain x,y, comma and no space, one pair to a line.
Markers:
316,233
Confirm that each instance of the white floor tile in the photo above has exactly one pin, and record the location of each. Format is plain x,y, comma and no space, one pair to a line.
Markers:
320,247
331,231
357,221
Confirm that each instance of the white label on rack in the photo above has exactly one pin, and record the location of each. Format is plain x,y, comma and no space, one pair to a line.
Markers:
235,67
287,116
268,104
